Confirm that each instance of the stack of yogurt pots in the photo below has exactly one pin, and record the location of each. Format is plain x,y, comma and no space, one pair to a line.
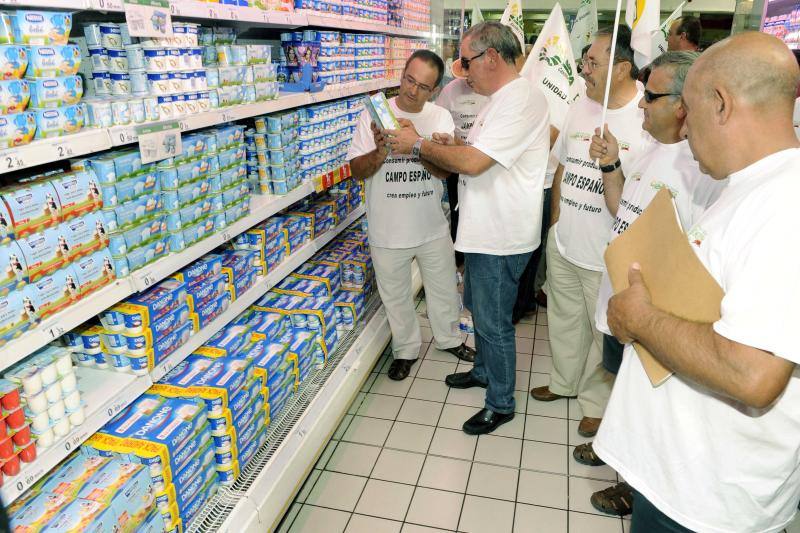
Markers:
50,397
154,79
16,442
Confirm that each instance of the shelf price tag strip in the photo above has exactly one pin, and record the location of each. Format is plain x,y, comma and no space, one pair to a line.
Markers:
148,18
159,141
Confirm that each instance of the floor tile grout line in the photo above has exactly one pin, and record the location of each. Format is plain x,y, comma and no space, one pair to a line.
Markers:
463,494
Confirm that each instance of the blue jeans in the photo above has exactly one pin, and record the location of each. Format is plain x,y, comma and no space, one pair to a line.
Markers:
490,289
647,518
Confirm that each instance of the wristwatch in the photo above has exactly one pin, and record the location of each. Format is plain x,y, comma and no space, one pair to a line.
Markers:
612,167
416,148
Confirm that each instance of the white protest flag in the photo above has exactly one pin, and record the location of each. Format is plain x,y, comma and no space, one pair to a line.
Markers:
643,17
512,17
551,67
660,36
477,16
584,26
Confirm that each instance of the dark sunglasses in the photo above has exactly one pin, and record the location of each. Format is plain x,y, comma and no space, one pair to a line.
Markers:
651,97
465,61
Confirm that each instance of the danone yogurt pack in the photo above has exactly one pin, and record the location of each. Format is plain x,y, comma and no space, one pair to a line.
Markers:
166,436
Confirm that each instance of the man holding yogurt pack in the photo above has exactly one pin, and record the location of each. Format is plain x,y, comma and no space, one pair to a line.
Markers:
502,168
406,220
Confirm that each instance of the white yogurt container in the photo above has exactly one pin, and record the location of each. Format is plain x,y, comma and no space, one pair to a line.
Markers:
101,82
138,114
117,60
110,35
155,59
99,58
139,83
159,84
120,112
135,56
151,110
120,84
99,115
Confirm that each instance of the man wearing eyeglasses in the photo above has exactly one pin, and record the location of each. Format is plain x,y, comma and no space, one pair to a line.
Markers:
502,168
665,163
406,220
716,447
580,224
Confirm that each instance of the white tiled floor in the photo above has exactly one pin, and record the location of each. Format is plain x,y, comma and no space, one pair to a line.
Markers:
399,461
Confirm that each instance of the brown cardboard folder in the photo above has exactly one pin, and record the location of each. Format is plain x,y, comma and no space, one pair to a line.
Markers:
678,281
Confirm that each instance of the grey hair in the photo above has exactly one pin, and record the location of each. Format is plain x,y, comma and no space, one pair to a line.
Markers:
491,34
679,62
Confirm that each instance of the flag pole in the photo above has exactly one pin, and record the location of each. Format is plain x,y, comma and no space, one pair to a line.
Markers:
610,67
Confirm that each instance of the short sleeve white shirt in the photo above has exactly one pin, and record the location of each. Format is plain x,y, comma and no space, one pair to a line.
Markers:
584,221
660,166
463,103
501,209
403,200
708,462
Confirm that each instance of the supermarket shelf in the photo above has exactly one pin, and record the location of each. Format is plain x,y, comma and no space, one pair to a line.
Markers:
247,299
104,394
345,23
49,4
252,16
121,135
261,207
94,140
49,150
53,327
278,476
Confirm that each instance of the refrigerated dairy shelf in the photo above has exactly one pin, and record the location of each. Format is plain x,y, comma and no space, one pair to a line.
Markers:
267,484
262,207
98,139
247,299
104,395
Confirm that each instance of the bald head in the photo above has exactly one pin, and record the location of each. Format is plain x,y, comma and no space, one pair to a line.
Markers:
757,69
739,98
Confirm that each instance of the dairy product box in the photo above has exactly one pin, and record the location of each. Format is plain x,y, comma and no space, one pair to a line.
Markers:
17,314
32,207
204,315
38,512
71,477
204,268
41,27
327,274
141,310
231,339
13,268
126,488
243,284
202,293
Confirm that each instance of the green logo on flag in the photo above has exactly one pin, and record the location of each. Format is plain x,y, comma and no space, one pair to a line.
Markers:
553,53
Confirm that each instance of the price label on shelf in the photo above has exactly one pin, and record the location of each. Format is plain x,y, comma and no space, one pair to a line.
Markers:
148,18
10,161
110,5
159,141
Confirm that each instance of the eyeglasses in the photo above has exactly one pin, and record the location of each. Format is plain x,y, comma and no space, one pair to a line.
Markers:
465,61
593,65
651,97
421,86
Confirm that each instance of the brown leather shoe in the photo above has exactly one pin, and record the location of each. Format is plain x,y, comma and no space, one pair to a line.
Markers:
543,394
589,426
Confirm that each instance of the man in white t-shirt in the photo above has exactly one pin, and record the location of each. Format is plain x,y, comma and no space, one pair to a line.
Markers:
406,220
665,163
464,105
502,169
581,223
716,447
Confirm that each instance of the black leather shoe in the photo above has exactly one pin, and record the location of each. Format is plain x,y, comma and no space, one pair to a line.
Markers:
463,380
400,368
463,352
486,421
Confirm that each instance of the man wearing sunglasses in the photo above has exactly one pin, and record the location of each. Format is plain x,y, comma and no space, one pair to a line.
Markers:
502,169
580,224
716,447
406,220
665,163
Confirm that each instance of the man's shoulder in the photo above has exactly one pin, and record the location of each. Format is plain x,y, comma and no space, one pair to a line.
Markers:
436,111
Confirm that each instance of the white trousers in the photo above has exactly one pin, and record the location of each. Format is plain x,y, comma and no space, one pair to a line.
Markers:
575,343
436,260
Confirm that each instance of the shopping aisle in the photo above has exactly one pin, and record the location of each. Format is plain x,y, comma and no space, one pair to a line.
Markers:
400,462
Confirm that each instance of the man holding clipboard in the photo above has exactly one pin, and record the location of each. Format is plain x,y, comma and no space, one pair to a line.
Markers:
716,447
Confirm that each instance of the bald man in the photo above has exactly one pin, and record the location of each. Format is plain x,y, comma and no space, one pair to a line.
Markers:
717,446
